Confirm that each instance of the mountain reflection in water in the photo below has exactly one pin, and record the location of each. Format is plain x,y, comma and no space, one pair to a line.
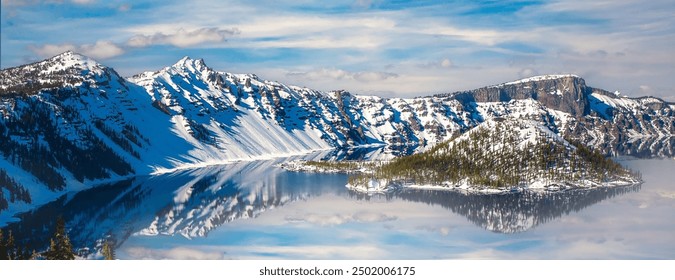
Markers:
192,203
508,213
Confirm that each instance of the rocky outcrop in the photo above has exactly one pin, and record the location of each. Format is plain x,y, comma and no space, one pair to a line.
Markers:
565,93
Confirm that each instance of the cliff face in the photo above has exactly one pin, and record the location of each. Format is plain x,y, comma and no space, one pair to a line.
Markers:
565,93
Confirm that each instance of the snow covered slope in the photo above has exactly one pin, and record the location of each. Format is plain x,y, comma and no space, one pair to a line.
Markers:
225,117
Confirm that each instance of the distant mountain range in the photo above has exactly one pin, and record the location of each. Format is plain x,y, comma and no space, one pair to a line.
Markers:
69,122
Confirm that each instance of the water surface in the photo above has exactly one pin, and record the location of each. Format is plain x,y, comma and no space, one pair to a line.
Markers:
253,210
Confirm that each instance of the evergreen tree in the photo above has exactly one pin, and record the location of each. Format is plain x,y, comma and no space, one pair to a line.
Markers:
60,247
35,256
108,250
10,246
22,253
3,248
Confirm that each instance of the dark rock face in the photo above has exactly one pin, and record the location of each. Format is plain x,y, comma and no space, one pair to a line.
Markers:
567,94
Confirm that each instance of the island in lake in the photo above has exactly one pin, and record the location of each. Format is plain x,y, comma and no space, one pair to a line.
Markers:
500,155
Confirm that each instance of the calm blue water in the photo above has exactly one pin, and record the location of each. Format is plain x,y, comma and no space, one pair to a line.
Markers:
256,210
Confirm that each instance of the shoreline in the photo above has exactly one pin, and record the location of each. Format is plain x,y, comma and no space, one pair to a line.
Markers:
482,190
383,186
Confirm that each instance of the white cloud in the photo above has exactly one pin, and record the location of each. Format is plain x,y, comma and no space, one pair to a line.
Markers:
99,50
443,63
295,31
354,251
339,74
527,72
285,26
487,37
338,219
323,42
616,45
289,31
178,253
102,50
52,50
373,76
323,73
183,38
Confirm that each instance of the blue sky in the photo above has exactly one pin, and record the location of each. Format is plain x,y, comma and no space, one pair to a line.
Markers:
387,48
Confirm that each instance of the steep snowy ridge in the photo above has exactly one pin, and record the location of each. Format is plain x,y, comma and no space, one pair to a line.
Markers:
69,122
226,116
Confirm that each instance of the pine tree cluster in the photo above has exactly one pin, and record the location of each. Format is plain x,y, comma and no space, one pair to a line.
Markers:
9,250
16,191
119,138
60,247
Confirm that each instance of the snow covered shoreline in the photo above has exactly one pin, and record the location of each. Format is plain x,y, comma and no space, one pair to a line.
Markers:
342,167
383,186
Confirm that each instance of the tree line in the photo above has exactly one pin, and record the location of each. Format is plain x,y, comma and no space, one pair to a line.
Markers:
16,191
60,247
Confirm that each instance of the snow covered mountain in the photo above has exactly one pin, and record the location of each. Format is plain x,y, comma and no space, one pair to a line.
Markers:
69,122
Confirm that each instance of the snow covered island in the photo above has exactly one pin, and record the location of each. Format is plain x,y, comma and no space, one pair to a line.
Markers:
498,156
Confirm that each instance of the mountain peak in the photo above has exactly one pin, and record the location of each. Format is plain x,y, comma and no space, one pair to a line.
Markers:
188,61
68,68
70,58
184,60
68,53
73,62
187,64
